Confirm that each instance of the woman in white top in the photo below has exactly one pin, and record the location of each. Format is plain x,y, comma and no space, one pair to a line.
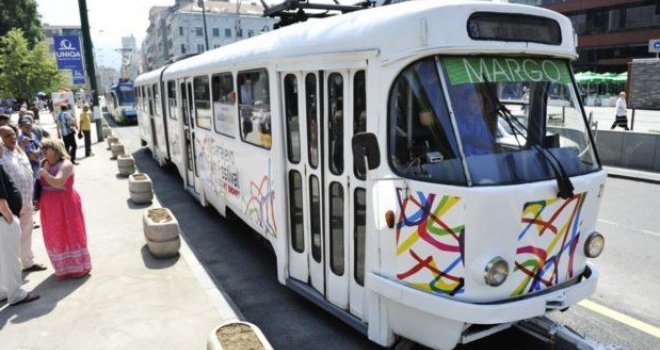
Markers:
621,118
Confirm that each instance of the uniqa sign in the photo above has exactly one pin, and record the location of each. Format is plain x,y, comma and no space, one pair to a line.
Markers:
68,53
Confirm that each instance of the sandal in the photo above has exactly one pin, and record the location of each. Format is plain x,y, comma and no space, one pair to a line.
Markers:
30,297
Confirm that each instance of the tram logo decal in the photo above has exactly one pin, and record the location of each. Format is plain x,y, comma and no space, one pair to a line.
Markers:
261,204
547,243
430,243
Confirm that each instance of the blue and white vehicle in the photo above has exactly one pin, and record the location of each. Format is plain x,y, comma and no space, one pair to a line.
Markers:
365,148
121,102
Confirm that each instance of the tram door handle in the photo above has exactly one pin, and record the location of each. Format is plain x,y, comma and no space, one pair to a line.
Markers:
305,169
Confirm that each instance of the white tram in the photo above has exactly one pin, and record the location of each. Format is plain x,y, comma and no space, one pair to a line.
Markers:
479,205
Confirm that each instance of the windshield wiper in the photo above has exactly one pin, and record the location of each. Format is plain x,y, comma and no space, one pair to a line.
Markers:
564,183
563,180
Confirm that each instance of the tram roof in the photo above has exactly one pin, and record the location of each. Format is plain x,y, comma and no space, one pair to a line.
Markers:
393,31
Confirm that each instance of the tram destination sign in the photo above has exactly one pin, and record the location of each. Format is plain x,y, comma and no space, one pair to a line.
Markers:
513,27
475,70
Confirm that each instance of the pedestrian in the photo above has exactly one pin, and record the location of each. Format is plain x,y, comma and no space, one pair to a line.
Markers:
85,128
27,123
621,118
30,143
17,165
4,119
10,238
62,219
66,129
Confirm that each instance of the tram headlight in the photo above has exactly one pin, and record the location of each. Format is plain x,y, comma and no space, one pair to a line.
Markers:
497,270
594,245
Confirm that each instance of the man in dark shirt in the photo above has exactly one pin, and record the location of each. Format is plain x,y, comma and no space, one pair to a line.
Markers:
10,240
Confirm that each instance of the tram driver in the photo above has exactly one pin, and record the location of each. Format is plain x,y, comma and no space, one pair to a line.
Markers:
246,106
476,125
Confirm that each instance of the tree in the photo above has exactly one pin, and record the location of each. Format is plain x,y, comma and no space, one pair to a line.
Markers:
21,14
24,71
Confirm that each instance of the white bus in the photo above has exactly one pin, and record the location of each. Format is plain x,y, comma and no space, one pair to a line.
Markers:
390,158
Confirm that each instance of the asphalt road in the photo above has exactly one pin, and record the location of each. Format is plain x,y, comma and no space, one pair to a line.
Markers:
243,265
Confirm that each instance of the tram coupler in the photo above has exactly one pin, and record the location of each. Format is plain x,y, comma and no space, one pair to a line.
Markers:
559,336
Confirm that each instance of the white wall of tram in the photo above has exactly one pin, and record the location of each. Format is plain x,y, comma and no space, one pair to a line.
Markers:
253,180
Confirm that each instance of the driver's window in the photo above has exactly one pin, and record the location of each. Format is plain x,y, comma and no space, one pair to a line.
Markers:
421,139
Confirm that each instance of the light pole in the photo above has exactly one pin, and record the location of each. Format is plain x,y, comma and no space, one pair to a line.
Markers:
206,35
238,19
89,61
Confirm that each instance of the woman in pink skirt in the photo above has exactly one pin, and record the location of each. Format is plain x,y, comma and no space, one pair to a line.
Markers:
62,220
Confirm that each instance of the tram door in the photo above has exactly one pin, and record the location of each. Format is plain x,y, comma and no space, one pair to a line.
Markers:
319,123
188,111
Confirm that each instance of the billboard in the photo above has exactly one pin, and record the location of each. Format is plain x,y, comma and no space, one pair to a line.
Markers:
69,56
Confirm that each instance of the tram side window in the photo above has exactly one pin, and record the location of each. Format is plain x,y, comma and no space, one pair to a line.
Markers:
296,211
202,102
422,143
315,217
359,233
172,109
292,118
336,122
359,111
151,101
254,107
224,103
156,95
337,228
311,105
144,98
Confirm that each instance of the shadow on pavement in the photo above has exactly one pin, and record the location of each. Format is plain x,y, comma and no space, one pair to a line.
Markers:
242,265
156,264
56,291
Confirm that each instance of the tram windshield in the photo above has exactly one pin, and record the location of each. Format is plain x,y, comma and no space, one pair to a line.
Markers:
509,120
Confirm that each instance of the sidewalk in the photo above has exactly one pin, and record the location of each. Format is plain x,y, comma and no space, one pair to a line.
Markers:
131,300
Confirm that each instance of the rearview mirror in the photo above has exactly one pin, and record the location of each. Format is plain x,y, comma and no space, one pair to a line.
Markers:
365,145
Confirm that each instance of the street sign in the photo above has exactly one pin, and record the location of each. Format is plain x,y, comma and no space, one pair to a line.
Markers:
68,53
654,45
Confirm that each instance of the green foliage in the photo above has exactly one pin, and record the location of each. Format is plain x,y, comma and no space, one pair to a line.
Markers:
21,14
25,71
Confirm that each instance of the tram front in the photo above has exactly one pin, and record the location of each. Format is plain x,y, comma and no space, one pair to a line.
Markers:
495,196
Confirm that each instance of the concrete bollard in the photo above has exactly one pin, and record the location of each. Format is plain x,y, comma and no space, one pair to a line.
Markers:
161,231
140,188
125,164
237,335
111,140
117,149
107,131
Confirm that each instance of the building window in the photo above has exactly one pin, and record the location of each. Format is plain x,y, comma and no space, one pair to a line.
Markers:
250,33
180,31
216,32
200,47
199,31
183,48
239,32
227,33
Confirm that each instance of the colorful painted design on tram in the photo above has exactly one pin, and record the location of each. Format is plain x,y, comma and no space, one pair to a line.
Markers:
260,206
430,242
547,243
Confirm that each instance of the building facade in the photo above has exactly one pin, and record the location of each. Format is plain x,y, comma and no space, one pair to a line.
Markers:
611,33
179,30
130,58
